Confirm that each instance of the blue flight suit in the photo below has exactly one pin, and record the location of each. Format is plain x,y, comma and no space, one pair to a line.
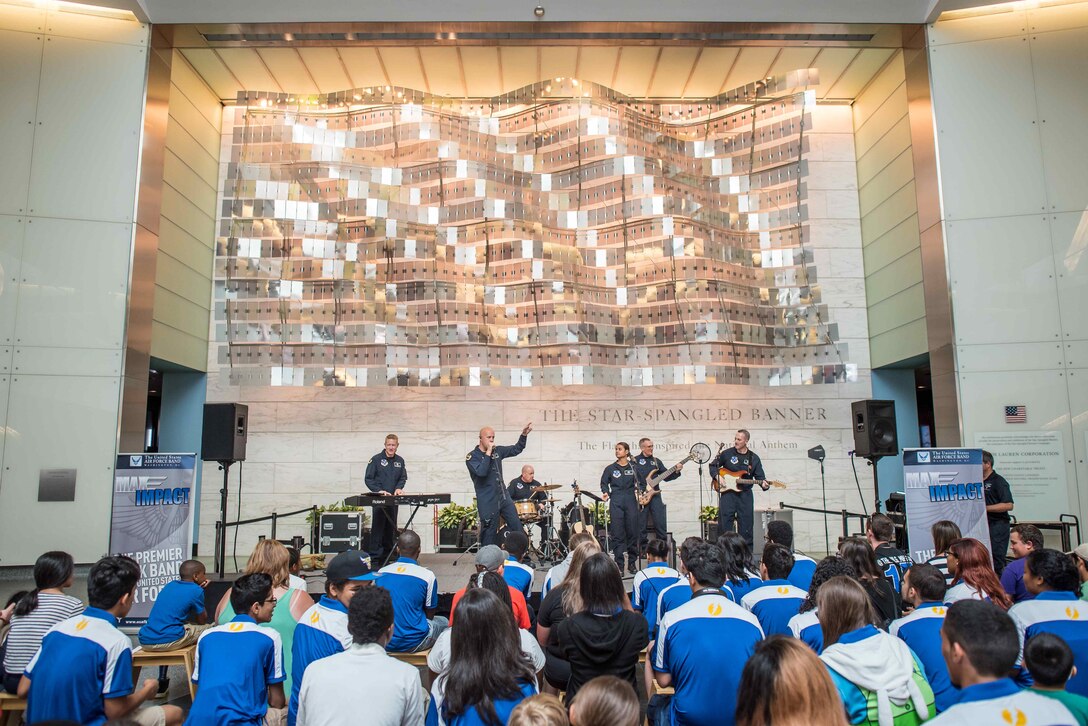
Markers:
620,483
492,500
656,507
385,475
733,504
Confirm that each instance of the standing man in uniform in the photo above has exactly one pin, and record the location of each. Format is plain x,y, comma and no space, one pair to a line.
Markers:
385,474
646,462
521,489
998,506
485,468
743,462
619,483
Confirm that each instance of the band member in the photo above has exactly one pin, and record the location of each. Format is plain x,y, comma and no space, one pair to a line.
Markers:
386,474
619,483
740,461
645,463
485,468
521,489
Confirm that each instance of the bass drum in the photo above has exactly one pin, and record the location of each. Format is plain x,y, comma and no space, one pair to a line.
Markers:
568,522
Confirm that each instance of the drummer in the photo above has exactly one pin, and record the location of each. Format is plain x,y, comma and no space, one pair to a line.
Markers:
521,489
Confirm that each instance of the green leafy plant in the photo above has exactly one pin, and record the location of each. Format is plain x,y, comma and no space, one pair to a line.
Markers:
451,516
708,514
312,517
600,511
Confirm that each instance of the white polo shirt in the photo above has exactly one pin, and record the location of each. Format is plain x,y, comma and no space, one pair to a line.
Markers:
361,685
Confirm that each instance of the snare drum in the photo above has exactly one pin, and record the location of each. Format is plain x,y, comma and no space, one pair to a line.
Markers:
528,511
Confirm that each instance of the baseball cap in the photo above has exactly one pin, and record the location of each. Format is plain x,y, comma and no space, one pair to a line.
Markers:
490,557
1080,551
350,565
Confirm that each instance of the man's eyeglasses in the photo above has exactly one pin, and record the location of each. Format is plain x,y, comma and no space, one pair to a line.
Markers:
269,600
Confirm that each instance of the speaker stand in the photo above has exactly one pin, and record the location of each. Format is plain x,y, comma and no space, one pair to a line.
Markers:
221,525
873,460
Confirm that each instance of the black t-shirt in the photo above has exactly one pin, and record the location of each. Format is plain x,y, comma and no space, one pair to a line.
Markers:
885,601
550,615
892,562
997,492
596,645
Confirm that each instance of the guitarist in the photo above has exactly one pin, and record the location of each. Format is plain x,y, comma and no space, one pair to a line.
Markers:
645,463
741,461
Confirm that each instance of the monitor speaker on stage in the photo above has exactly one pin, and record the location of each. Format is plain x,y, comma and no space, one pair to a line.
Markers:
874,428
225,428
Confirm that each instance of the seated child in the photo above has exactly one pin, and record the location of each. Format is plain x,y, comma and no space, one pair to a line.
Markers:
168,627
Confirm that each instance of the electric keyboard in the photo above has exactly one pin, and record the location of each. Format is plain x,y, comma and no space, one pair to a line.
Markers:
385,500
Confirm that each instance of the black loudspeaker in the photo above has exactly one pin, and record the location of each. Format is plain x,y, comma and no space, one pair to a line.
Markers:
874,428
225,429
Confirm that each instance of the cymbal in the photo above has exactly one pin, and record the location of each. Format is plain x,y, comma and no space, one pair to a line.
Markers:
544,488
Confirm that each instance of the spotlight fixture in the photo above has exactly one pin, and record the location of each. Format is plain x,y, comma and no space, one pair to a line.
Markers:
539,11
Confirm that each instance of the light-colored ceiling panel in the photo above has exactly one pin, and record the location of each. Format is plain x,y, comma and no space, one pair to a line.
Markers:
831,62
790,59
519,67
214,73
673,69
636,66
327,70
248,68
364,66
288,69
481,70
710,71
751,66
559,62
860,72
597,64
443,71
402,65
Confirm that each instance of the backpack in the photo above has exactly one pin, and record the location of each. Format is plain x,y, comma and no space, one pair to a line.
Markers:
902,715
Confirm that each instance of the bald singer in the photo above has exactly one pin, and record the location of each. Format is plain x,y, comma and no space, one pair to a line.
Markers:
485,468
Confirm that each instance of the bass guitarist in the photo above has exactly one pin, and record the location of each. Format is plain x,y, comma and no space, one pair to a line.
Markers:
738,460
645,463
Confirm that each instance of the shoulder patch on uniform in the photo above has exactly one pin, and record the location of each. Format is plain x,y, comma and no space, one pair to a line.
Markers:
371,461
468,456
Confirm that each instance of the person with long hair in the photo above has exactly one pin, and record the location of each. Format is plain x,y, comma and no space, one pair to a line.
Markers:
606,636
805,625
742,575
38,611
974,578
786,685
562,601
619,484
860,555
944,533
881,682
488,676
605,701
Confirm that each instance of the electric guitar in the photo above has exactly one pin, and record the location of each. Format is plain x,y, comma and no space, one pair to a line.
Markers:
731,481
699,452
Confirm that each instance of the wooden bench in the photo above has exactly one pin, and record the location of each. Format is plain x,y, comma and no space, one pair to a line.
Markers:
184,657
10,706
415,659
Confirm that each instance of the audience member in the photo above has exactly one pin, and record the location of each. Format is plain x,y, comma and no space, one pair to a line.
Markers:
519,575
1023,540
606,701
980,647
776,600
271,558
651,581
83,670
878,678
415,597
805,625
487,676
178,602
363,679
490,558
689,654
562,601
924,588
1049,659
973,574
676,595
543,709
742,575
606,636
36,612
323,629
891,561
557,573
944,533
239,669
781,532
785,684
1080,559
861,556
1052,578
294,569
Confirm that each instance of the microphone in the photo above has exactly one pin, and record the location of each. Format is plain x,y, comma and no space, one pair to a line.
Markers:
850,452
817,453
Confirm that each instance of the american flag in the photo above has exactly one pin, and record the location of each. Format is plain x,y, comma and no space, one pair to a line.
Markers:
1016,414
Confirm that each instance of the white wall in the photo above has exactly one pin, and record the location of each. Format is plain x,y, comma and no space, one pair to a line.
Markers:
72,86
1010,99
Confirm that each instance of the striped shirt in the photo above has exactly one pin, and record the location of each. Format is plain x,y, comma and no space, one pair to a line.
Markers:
27,631
941,563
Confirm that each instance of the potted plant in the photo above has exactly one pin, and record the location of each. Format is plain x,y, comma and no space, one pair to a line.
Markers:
456,525
708,516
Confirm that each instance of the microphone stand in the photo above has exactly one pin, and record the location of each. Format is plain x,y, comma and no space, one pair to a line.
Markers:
823,490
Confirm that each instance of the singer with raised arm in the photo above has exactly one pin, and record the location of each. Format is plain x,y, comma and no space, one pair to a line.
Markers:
385,474
485,468
731,476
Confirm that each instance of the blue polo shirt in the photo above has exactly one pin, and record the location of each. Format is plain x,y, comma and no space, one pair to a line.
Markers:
647,586
774,604
471,717
670,598
518,576
1012,580
806,628
1065,615
737,590
1003,702
236,662
804,567
921,630
414,589
82,661
703,645
175,604
321,631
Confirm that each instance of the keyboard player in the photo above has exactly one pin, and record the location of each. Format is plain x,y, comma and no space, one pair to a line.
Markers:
385,474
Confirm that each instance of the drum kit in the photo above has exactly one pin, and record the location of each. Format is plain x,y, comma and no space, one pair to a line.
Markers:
573,518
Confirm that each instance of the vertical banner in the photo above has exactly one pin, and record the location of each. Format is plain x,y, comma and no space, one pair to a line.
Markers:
152,521
943,484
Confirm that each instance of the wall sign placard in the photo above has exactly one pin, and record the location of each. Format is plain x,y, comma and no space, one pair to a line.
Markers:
1034,464
943,484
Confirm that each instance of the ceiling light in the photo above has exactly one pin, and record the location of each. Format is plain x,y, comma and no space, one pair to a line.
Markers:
1015,6
61,6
